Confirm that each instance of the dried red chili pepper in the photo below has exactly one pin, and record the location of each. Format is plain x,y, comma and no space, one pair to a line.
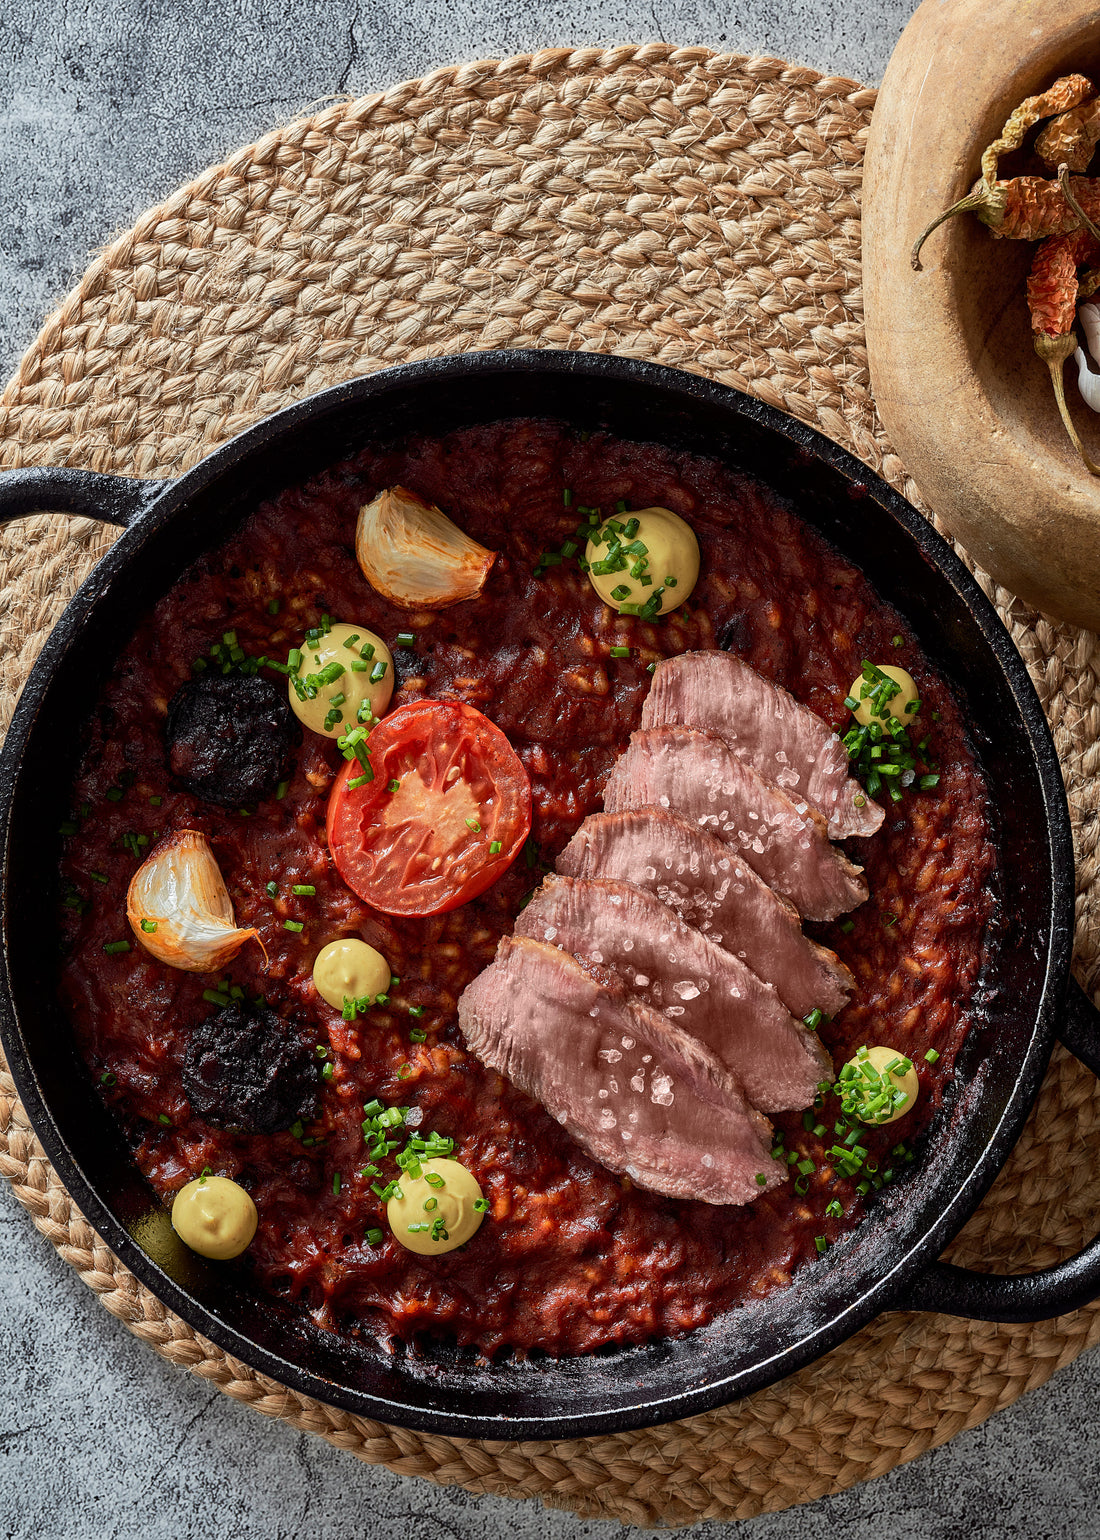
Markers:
1067,92
1052,293
1025,208
1072,138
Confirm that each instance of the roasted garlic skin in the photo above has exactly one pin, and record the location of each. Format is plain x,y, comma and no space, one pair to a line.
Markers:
414,555
179,907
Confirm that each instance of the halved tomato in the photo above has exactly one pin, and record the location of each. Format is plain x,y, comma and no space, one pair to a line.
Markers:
447,812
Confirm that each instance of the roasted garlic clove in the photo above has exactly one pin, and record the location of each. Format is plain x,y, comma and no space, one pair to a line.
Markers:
414,555
179,907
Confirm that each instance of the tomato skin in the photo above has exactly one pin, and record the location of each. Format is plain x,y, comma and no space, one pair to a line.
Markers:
413,852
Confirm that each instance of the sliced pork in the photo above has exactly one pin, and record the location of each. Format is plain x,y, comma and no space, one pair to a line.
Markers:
698,776
764,725
712,888
641,1096
674,968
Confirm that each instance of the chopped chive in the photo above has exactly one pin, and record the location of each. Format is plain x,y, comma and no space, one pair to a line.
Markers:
162,1117
405,639
821,1243
472,823
481,1205
761,1179
114,948
395,786
272,890
814,1019
378,672
327,1071
622,591
108,1079
806,1167
495,847
433,1179
620,652
304,889
931,1057
418,1035
373,1237
898,641
336,1184
569,549
295,925
404,1071
114,794
215,997
567,498
149,927
360,780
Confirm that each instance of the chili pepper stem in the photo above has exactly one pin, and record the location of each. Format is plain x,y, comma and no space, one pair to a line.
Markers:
974,203
1063,181
1054,351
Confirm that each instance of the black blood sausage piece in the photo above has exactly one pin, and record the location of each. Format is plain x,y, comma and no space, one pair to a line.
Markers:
229,737
250,1070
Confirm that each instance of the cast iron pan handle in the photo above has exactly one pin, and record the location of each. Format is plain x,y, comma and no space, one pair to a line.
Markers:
1037,1296
113,499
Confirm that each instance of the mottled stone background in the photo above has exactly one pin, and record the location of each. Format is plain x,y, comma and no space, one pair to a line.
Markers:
105,107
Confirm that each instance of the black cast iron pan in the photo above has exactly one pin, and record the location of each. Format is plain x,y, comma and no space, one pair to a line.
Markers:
1026,997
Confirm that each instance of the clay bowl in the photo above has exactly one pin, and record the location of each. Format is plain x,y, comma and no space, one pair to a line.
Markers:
968,405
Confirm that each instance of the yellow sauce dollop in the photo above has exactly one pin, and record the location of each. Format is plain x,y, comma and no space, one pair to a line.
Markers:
215,1217
670,559
440,1200
355,684
349,969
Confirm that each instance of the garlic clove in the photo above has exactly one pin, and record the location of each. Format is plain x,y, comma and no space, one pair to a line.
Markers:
415,555
180,891
1088,382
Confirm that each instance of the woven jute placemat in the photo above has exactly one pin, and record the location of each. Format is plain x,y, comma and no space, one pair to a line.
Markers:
697,209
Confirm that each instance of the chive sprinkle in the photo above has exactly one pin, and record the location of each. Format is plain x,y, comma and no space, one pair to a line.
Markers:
378,672
821,1243
481,1205
472,823
114,948
162,1117
495,847
620,652
304,889
395,785
405,639
149,927
336,1184
931,1057
272,890
295,925
108,1079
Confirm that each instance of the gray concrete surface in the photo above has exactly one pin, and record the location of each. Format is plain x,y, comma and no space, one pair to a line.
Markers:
105,106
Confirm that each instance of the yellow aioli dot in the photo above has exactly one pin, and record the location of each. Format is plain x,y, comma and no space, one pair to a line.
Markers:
454,1205
878,1058
348,969
215,1217
896,706
671,551
354,685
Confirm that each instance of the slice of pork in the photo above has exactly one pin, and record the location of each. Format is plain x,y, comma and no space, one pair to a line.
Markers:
712,888
698,776
638,1094
676,970
787,742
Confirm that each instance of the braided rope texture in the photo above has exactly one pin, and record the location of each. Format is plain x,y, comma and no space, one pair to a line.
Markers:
697,209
